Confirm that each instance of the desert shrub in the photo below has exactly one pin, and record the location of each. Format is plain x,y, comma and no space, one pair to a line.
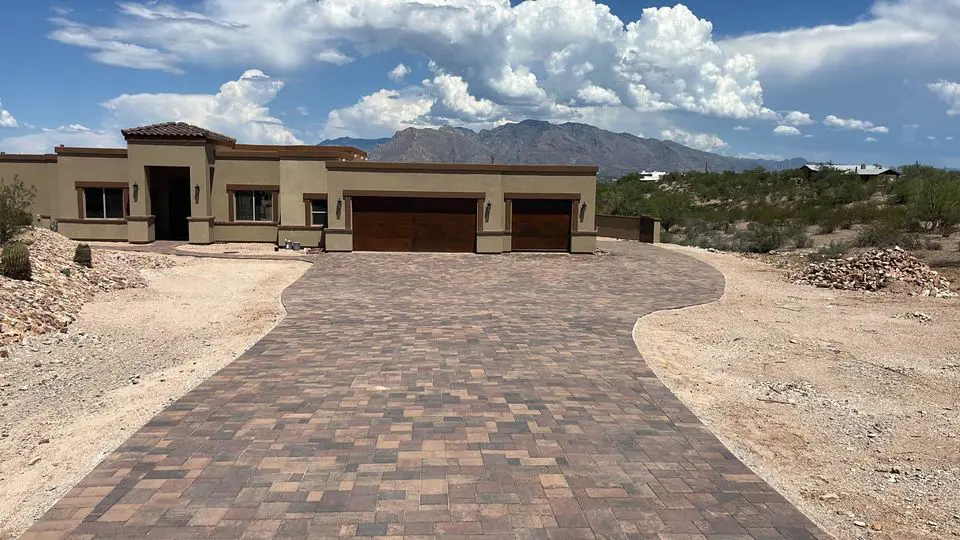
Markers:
932,245
759,238
885,235
802,240
15,202
833,250
83,255
15,262
827,227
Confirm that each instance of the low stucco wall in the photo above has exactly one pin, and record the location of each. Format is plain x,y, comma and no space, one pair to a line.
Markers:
108,232
307,238
230,232
638,228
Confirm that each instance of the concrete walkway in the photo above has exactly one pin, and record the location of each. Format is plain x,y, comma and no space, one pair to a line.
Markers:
420,396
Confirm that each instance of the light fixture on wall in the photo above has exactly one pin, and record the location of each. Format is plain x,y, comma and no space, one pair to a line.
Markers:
339,207
136,191
196,193
583,211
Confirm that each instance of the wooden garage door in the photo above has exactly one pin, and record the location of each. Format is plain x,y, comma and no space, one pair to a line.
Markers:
541,225
414,224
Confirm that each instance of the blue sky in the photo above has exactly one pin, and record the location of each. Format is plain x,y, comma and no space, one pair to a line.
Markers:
851,81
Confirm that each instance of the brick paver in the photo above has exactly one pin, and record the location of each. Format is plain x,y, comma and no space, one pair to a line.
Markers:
418,396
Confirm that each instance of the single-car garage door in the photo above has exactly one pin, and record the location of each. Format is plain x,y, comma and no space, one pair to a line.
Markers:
414,224
540,225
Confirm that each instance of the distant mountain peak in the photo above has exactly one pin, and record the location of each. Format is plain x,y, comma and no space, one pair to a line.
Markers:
541,142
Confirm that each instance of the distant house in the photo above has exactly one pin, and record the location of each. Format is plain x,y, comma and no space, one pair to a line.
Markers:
651,176
864,172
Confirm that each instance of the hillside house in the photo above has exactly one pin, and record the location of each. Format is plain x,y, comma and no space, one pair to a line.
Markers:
863,171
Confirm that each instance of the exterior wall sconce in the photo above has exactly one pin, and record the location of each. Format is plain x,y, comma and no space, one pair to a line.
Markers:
339,207
136,191
196,193
486,212
583,211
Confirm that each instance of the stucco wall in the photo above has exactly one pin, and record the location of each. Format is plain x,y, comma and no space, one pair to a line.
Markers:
38,175
586,186
141,156
244,233
73,169
296,178
94,231
241,171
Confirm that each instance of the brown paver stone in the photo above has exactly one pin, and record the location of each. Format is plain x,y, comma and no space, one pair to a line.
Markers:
440,395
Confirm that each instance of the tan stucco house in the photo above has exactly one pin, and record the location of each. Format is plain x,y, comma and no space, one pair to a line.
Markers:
175,181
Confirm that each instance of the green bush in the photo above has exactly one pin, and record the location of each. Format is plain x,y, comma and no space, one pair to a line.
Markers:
759,238
15,202
83,256
802,240
15,262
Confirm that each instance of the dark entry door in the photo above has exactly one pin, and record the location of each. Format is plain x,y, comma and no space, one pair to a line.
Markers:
414,224
541,225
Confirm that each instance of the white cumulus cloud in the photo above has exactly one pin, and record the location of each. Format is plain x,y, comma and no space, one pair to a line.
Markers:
701,141
398,73
850,124
238,109
921,27
379,114
741,128
786,131
797,118
552,59
949,93
45,140
869,139
6,119
332,56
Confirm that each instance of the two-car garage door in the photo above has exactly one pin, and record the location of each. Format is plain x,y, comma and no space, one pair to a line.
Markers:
414,224
382,223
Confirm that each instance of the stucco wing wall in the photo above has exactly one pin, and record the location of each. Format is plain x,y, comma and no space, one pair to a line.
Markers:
73,169
585,186
244,233
250,172
489,184
39,176
298,177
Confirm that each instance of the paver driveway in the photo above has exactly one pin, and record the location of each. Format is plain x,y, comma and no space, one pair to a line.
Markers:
447,395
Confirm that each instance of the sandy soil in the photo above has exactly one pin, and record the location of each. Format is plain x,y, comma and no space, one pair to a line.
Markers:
846,402
69,399
241,249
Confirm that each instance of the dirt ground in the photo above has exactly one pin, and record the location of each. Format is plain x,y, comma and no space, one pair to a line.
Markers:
69,399
846,402
241,249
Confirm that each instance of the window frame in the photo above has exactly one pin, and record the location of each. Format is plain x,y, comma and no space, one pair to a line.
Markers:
82,189
234,190
308,200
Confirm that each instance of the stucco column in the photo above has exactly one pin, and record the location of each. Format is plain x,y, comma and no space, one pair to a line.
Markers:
201,218
140,221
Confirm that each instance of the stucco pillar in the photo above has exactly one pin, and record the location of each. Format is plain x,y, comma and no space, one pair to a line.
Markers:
201,218
140,221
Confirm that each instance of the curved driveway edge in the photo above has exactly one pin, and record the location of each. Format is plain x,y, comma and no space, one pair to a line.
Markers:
419,396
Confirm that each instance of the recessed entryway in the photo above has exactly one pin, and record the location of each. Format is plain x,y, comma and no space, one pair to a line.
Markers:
170,201
414,224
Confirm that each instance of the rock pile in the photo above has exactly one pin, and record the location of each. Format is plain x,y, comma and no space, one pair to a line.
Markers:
60,287
874,270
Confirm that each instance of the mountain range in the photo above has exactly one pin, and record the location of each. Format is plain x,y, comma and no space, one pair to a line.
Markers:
537,142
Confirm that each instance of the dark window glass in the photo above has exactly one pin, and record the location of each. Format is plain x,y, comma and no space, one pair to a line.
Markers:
318,213
253,206
103,203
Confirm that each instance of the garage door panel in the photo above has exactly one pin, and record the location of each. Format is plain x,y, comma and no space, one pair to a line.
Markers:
414,224
540,225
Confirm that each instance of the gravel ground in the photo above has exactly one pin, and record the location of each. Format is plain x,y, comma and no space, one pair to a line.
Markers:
241,249
847,402
68,399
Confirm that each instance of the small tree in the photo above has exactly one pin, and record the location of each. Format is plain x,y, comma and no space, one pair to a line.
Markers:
15,202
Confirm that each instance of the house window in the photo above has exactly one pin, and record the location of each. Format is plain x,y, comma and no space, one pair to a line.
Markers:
103,203
253,205
318,213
